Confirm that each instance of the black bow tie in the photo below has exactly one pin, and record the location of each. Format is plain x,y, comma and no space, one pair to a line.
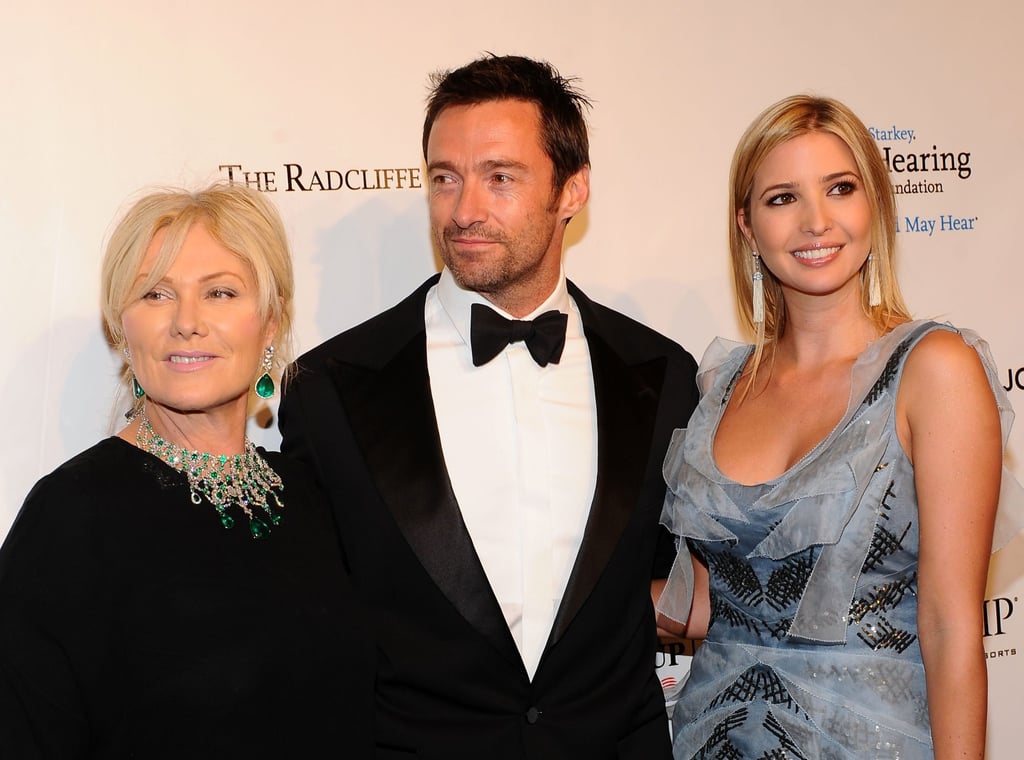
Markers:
490,332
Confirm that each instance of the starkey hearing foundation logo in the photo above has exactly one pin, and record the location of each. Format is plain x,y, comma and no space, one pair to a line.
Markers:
998,613
293,178
916,171
903,159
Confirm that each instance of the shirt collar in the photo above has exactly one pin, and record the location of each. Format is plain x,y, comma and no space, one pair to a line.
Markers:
458,302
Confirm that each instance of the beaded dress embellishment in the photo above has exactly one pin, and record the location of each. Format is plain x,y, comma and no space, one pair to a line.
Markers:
242,480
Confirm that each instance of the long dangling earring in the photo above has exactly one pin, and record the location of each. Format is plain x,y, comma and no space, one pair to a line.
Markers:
137,390
265,384
758,290
874,284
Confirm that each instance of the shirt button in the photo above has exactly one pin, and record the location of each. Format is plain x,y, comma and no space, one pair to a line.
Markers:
532,715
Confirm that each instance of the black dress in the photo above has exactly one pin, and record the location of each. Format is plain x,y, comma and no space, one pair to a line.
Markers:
132,624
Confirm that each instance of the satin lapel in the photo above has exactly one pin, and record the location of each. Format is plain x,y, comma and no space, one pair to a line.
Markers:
627,404
391,413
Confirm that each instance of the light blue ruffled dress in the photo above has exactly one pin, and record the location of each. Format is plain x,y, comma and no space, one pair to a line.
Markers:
812,650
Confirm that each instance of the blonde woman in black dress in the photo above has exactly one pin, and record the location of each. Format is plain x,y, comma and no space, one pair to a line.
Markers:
174,591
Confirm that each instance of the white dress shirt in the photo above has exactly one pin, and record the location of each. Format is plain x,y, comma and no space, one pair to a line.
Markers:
520,445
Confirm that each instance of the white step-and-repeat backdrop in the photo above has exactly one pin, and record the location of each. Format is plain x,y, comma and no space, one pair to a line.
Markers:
320,104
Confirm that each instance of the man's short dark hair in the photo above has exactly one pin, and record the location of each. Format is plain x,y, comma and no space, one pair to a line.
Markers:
512,77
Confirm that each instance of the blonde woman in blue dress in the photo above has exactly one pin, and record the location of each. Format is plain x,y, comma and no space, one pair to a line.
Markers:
836,489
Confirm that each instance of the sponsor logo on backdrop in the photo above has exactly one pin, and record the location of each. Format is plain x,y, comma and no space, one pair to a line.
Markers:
1014,379
671,653
924,170
296,178
999,622
672,662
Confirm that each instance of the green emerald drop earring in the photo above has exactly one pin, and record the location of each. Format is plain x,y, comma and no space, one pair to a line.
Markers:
265,384
137,390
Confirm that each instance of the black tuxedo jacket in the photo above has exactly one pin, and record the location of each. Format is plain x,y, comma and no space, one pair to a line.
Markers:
451,684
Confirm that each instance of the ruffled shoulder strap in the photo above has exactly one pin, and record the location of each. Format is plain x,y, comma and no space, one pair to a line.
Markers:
722,359
1010,513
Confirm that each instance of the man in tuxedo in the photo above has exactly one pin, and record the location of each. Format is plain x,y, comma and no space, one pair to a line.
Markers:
492,449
